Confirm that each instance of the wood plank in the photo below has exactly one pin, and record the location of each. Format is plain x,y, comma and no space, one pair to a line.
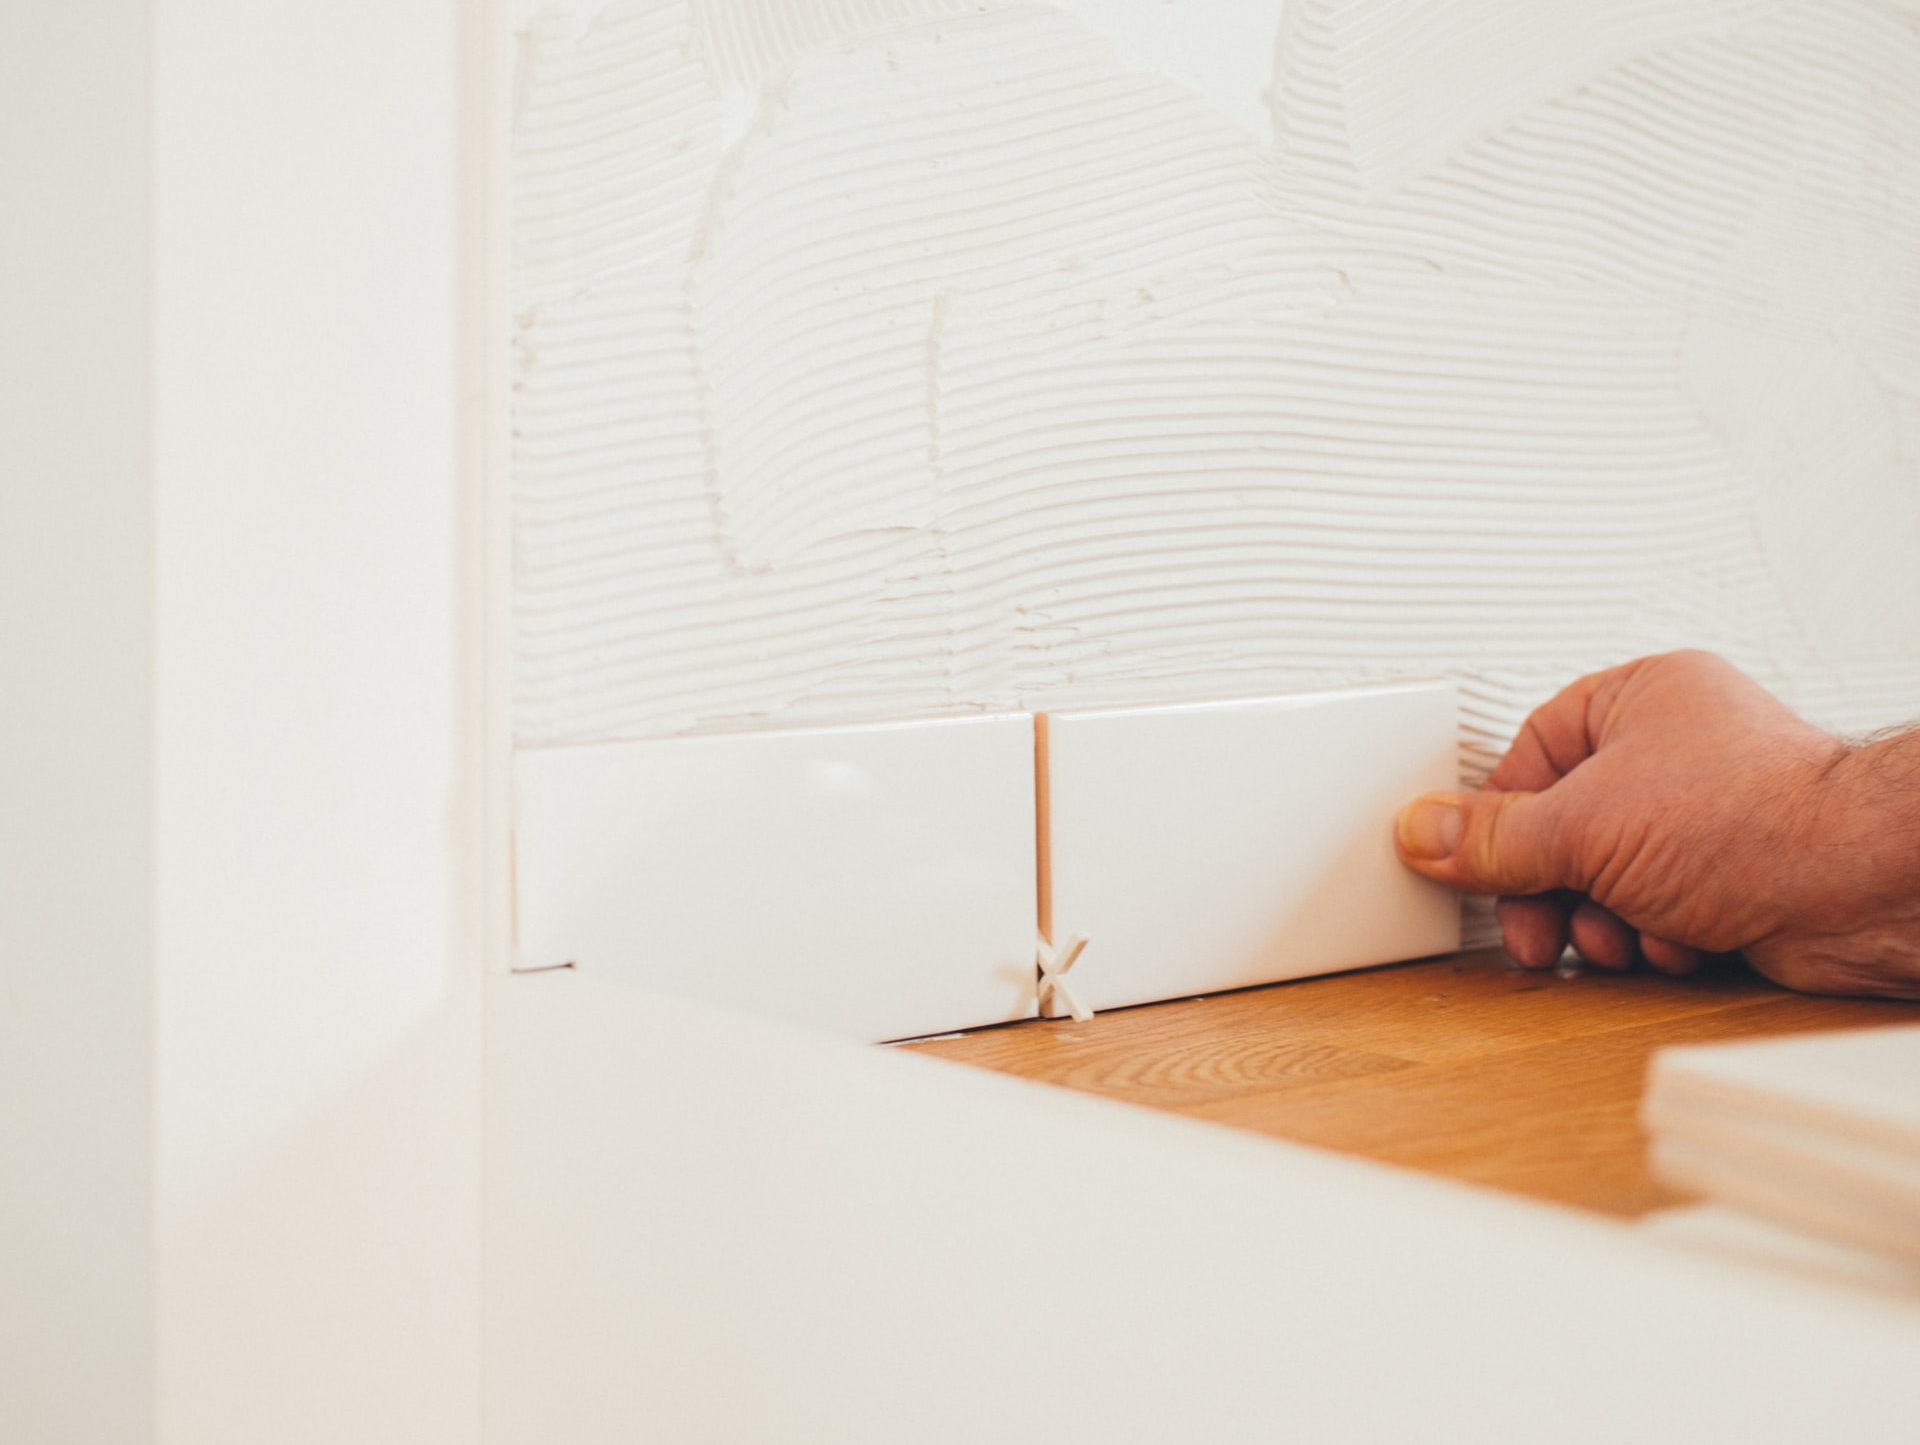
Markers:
1463,1066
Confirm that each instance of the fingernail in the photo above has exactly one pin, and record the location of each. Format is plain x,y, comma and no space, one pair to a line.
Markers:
1430,829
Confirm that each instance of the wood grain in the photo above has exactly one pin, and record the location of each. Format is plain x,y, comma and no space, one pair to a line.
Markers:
1463,1066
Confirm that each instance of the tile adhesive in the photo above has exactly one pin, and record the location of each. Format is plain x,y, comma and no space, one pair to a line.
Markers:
884,358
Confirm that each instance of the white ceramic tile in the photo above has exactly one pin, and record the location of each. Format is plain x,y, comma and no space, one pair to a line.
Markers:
876,881
1818,1133
1862,1080
1831,1187
1213,846
1716,1229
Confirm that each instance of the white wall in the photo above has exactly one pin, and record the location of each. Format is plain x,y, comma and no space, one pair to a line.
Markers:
906,357
76,715
318,707
240,708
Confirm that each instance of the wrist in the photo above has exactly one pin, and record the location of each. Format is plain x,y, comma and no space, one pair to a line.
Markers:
1853,923
1868,826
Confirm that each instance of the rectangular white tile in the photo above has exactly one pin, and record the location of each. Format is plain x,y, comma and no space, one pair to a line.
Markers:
876,881
1217,845
1866,1081
1734,1234
1818,1133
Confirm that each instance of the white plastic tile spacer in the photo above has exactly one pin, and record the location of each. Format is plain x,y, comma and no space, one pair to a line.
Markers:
1055,991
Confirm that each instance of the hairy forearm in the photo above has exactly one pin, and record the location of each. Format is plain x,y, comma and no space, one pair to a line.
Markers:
1866,841
1871,814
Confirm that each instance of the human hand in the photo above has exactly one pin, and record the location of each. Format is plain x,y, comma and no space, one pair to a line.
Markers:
1672,808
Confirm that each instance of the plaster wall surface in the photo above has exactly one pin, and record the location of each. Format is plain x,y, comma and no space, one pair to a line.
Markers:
881,358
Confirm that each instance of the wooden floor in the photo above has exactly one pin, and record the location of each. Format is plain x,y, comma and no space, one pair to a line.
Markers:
1462,1066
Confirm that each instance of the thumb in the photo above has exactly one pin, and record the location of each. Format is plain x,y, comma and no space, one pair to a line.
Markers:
1489,842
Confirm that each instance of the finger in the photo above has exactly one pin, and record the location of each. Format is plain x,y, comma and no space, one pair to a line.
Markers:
1533,929
1552,742
1603,937
1506,843
1670,957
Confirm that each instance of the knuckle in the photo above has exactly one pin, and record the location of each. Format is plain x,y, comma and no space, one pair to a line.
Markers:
1504,848
1697,659
1554,836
